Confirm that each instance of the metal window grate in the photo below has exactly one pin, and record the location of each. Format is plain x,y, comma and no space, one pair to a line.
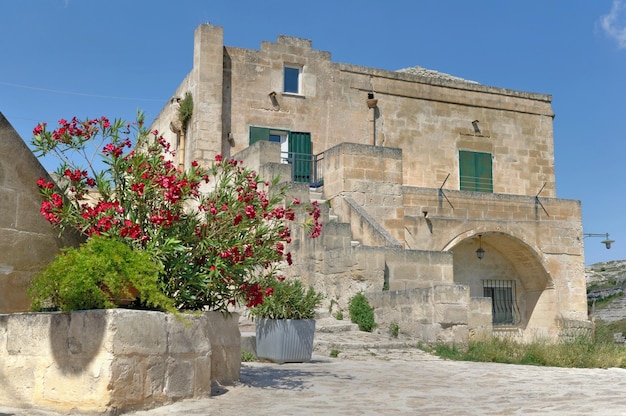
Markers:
503,301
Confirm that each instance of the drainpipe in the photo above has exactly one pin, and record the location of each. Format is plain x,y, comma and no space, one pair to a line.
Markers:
181,150
371,104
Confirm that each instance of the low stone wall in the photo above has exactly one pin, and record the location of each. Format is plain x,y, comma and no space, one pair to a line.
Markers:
112,361
437,314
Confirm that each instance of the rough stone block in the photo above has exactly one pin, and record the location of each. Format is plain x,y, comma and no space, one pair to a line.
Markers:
33,334
138,332
225,341
451,314
202,376
179,378
451,294
187,333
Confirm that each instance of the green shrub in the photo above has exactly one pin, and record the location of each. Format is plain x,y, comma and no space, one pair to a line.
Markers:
247,356
185,111
334,353
339,315
96,275
361,313
288,299
394,329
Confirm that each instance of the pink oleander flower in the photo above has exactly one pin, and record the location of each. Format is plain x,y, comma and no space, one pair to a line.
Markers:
137,194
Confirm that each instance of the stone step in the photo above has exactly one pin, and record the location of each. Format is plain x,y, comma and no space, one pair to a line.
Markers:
316,196
321,314
325,342
332,325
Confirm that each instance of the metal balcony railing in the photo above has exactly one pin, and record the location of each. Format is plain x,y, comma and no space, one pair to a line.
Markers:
305,167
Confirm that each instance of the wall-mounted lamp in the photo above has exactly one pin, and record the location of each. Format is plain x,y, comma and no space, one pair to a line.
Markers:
475,125
480,252
371,101
607,242
274,101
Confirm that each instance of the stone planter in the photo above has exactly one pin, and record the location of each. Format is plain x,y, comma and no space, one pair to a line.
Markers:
115,360
285,340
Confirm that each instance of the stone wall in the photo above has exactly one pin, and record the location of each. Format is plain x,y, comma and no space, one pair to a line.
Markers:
111,361
535,242
428,117
27,241
436,314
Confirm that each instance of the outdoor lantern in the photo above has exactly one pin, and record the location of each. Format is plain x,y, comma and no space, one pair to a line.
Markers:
480,253
607,242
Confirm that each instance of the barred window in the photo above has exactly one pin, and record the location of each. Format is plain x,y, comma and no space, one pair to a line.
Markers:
503,304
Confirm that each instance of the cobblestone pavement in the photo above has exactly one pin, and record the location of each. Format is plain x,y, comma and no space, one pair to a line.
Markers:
374,375
411,383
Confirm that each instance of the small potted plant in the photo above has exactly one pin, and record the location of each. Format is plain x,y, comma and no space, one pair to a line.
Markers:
101,273
285,322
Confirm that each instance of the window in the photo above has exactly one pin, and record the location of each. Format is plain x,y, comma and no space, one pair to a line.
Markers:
475,171
281,136
503,306
292,79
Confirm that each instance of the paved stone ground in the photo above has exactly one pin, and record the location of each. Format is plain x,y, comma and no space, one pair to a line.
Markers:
375,375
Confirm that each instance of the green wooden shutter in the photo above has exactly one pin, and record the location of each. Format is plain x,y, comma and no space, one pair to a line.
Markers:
300,150
484,182
475,171
467,170
258,133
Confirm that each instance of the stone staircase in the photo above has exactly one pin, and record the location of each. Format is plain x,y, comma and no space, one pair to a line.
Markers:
317,194
341,338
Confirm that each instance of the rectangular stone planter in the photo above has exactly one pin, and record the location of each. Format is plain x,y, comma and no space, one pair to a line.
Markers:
115,360
285,340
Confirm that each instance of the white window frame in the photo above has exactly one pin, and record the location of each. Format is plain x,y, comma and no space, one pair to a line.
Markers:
299,69
284,143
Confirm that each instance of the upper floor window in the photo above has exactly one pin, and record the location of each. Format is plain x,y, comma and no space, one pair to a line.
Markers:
475,171
292,79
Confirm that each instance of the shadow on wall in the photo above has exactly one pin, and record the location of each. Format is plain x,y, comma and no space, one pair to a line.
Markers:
76,339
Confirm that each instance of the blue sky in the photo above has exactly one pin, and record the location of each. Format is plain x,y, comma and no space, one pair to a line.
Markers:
60,58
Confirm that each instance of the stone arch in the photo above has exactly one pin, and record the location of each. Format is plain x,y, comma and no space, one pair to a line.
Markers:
526,256
507,257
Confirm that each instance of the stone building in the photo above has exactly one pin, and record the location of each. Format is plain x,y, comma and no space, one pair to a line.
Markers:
27,241
443,206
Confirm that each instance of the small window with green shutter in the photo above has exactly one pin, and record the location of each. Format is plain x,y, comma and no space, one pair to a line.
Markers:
475,171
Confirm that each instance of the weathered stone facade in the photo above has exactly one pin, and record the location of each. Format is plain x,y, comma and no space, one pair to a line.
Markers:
393,151
27,241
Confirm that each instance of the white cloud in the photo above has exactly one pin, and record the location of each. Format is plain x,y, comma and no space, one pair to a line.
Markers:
614,23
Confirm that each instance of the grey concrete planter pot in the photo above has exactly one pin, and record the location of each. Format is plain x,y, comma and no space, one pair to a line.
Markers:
285,340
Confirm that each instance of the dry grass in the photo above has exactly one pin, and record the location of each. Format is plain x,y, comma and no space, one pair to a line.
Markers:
579,353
